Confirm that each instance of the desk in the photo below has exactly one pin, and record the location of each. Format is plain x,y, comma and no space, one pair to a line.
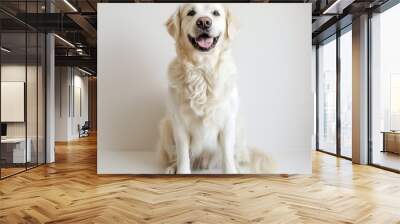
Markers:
13,150
391,141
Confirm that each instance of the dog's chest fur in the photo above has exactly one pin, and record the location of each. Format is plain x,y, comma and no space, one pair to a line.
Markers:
201,90
204,98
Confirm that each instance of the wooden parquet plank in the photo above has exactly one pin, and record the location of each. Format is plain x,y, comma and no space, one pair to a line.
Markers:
70,191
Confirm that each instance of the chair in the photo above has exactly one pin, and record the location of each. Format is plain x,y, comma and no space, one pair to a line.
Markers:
84,130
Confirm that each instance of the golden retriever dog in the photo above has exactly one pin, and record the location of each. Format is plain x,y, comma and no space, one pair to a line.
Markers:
201,129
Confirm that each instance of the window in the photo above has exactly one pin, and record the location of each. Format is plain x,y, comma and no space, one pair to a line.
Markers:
327,96
22,77
395,102
385,89
333,137
346,93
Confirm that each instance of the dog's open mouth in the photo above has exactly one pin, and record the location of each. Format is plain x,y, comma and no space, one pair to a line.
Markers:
203,42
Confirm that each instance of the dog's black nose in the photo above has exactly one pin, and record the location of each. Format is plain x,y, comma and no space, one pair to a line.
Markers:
204,23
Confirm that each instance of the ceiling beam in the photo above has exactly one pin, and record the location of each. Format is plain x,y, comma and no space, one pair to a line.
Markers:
83,61
337,7
86,26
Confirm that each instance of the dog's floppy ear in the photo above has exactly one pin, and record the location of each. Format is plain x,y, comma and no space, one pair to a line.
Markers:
231,24
173,24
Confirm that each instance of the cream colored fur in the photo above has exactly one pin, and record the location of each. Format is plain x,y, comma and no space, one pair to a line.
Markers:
201,129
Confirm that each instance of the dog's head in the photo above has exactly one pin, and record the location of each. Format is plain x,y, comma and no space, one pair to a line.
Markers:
201,27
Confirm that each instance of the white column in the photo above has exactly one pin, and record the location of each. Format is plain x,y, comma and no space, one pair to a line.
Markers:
50,94
360,90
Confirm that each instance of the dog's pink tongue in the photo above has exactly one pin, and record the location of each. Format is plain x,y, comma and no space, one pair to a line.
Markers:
205,42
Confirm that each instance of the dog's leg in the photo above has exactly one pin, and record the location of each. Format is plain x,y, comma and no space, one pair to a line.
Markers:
182,152
166,146
228,146
182,147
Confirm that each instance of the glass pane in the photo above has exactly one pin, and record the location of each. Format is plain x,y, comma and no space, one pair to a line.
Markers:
13,89
23,89
31,101
346,93
31,86
41,98
327,97
314,73
386,89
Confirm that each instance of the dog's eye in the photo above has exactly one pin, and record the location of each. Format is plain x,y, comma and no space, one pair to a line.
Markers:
215,13
191,13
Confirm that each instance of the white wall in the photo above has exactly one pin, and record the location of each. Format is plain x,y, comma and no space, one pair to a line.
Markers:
272,51
80,84
62,80
68,80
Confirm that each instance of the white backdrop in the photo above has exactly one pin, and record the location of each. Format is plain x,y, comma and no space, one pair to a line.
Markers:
272,50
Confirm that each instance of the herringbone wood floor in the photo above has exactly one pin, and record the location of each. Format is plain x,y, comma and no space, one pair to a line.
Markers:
69,191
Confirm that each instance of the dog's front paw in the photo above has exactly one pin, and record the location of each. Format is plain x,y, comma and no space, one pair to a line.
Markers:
171,169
